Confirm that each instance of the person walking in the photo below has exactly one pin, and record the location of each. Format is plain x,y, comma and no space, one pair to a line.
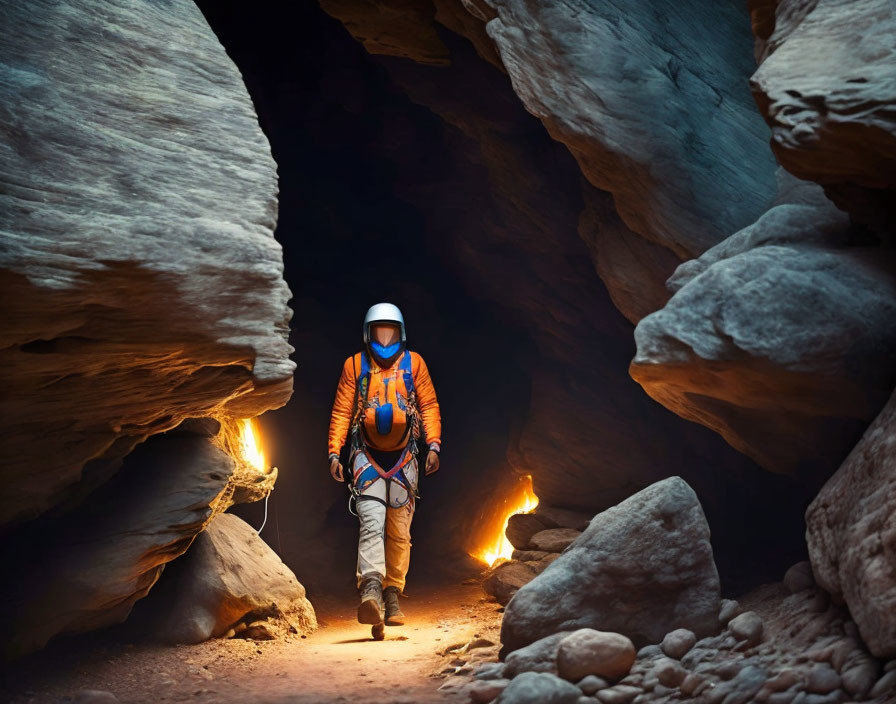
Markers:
384,400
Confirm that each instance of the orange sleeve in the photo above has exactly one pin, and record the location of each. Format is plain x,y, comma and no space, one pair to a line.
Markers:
343,407
426,400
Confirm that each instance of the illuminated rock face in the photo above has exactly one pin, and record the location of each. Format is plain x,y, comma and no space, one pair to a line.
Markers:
86,569
141,281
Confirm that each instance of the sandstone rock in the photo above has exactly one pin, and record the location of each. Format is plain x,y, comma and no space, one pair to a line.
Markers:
742,687
781,339
503,581
142,281
484,691
859,676
590,652
540,656
528,555
831,107
659,541
580,70
590,684
799,577
554,517
677,643
730,608
618,694
885,685
229,572
539,688
489,671
849,525
747,626
96,563
521,527
822,679
553,539
669,672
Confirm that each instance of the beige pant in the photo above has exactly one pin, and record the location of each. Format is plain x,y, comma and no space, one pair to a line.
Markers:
384,543
384,539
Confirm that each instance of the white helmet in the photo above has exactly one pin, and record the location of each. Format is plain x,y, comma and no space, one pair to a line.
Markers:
382,313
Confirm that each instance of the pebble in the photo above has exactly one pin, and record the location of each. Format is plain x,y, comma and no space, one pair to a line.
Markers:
590,652
784,679
690,683
885,684
483,691
799,577
677,643
822,679
489,671
728,611
539,688
619,694
747,626
669,672
859,676
591,684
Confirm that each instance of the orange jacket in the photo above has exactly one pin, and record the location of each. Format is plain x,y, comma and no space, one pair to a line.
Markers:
344,403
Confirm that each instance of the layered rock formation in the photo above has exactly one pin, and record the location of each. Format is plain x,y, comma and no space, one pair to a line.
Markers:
142,287
141,281
86,569
827,88
851,531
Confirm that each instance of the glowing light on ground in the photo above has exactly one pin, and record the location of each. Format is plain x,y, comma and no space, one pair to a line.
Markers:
250,445
496,546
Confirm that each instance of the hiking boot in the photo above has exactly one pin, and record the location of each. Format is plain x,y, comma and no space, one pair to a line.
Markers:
394,616
370,610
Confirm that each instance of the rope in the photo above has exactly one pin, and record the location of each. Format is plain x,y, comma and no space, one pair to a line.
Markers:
258,532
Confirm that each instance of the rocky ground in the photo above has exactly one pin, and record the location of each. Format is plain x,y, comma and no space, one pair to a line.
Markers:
451,628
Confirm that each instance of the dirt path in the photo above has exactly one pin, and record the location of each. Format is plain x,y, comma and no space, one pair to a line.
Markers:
338,663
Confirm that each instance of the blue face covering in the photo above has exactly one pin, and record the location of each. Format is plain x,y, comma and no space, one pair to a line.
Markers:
385,353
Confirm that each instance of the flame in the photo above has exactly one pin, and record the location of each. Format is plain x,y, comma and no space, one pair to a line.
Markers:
250,446
496,545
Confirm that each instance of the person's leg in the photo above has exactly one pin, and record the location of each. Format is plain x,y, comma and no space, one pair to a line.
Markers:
398,545
371,565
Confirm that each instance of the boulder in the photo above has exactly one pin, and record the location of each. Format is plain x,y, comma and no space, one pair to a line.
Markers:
539,688
229,572
677,643
503,580
641,568
553,539
141,280
799,577
590,652
825,87
850,529
782,339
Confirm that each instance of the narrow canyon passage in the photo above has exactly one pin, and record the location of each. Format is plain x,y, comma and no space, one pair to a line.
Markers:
645,250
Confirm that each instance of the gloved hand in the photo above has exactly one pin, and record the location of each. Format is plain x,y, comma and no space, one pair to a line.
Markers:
432,462
336,469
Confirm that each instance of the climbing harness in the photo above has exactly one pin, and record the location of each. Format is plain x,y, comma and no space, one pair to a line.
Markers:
365,470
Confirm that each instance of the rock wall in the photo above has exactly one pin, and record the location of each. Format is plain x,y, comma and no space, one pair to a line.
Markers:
781,338
141,281
851,533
